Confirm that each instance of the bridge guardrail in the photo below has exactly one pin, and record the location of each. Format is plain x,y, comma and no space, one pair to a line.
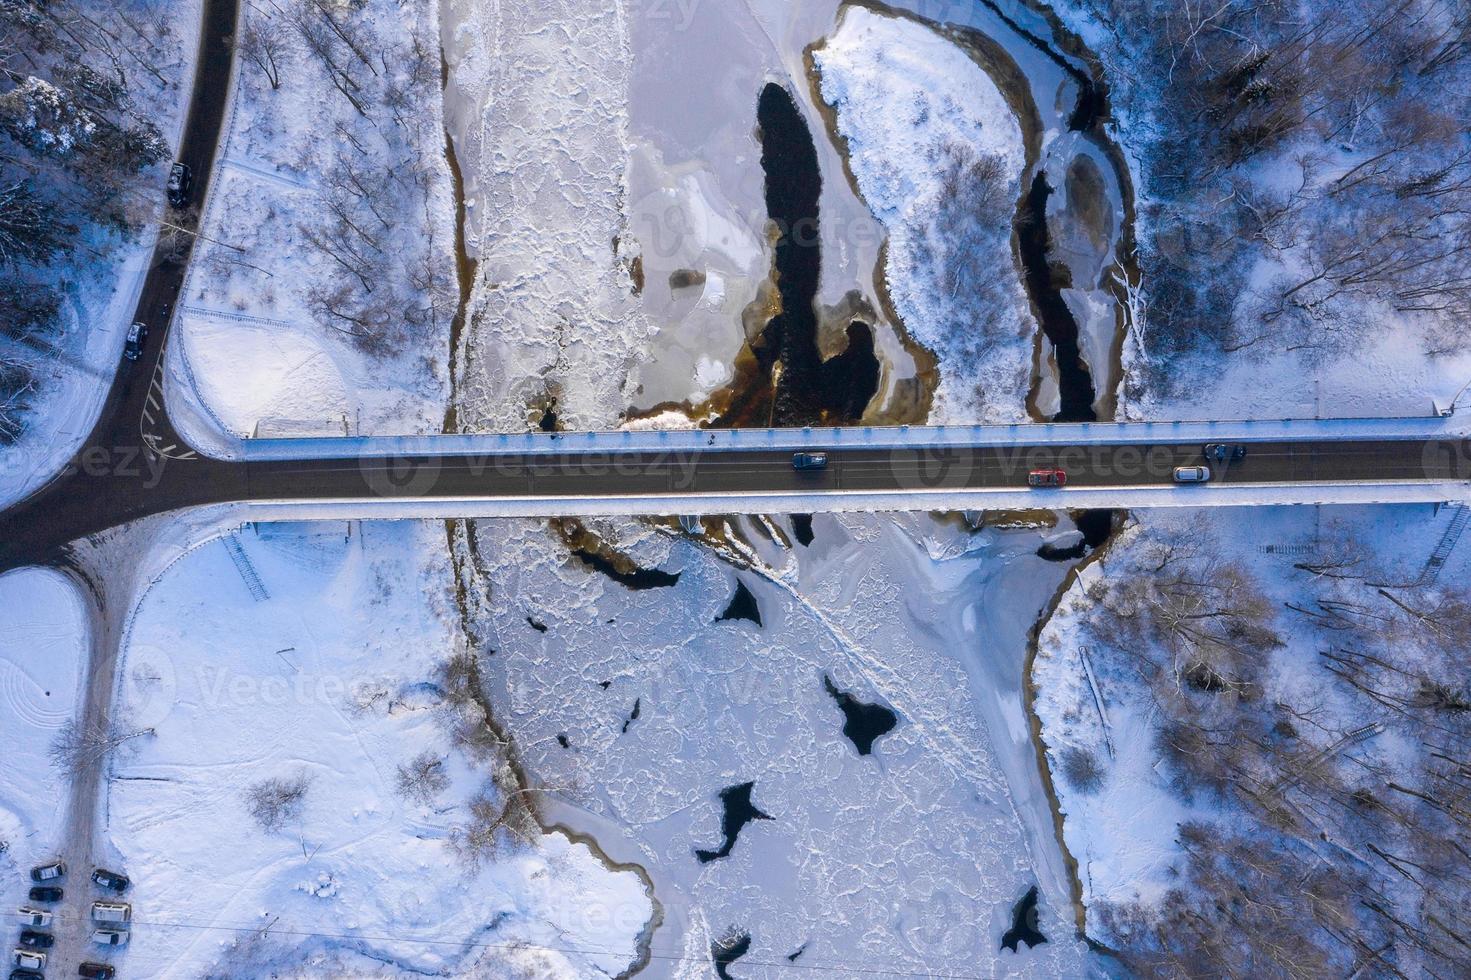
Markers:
854,437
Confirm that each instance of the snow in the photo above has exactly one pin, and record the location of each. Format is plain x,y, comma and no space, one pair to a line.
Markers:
44,636
907,101
332,677
247,373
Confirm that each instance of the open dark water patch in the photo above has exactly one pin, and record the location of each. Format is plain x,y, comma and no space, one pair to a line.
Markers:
739,811
1024,924
802,528
864,723
742,606
638,579
807,391
1058,323
726,950
1096,527
638,707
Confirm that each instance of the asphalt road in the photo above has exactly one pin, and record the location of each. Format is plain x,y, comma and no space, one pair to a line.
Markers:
114,486
126,413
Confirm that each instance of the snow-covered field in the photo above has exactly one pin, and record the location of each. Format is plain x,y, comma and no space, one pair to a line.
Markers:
43,651
98,303
639,707
330,677
938,156
320,298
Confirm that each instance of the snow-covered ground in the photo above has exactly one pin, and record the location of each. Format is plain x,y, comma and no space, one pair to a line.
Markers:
43,650
938,156
638,707
1122,802
98,303
331,675
274,333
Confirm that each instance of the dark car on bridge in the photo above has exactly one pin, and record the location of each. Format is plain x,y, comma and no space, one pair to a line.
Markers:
181,180
1222,452
45,893
1047,478
809,461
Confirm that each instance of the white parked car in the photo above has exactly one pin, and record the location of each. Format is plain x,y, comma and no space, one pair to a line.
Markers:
34,917
28,959
110,937
1192,474
114,913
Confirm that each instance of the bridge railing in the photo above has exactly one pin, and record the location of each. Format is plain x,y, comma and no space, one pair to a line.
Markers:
855,437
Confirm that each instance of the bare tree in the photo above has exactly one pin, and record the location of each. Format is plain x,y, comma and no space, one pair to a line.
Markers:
263,43
422,778
275,801
80,746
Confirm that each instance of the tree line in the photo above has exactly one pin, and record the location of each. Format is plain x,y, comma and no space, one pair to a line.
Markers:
77,164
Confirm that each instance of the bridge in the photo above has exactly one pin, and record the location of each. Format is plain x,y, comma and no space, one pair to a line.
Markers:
749,471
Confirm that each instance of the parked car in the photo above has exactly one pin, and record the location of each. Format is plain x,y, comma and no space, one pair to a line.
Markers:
133,346
1047,478
96,971
809,461
45,893
1192,474
34,917
110,937
27,975
1222,452
119,913
48,872
31,939
111,879
181,180
28,959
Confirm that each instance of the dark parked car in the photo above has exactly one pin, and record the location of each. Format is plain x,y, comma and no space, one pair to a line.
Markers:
48,872
181,179
1222,452
45,893
27,975
111,879
96,971
133,347
31,939
809,461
